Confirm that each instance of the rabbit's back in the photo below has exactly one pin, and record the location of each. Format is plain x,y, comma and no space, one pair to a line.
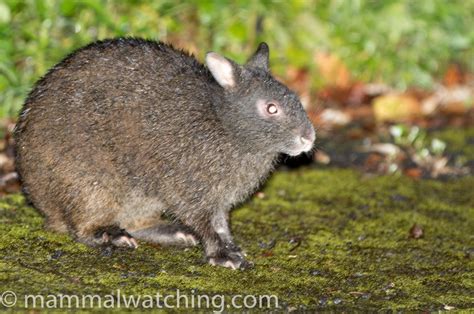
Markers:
114,95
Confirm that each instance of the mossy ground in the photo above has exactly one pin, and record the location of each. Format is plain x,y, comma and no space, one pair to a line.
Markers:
460,141
320,239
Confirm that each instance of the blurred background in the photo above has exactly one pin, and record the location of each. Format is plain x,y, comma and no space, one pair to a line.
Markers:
388,84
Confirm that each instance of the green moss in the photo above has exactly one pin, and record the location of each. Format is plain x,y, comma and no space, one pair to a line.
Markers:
459,140
320,239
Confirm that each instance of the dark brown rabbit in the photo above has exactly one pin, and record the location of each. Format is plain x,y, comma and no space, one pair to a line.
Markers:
126,131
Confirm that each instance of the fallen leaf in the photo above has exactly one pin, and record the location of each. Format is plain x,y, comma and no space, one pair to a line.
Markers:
267,254
396,107
372,162
332,70
388,149
414,173
335,117
453,75
416,231
321,157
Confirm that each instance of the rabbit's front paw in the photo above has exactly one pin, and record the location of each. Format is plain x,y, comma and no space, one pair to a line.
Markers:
230,259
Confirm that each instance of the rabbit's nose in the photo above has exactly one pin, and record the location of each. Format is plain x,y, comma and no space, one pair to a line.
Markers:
308,137
305,141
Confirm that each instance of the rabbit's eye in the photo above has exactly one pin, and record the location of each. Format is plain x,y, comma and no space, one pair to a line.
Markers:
269,109
272,108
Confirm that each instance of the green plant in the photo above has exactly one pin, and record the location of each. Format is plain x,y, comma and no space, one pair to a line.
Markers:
416,139
399,42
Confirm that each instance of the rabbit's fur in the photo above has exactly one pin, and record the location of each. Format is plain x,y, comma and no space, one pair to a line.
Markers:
125,131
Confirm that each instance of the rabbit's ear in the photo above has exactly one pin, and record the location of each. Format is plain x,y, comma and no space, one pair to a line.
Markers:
222,69
260,58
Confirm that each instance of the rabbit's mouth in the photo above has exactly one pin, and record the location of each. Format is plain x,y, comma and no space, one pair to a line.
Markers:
299,150
302,144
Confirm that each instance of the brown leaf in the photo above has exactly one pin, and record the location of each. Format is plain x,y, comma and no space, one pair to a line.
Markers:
453,75
416,231
414,173
267,254
372,162
332,70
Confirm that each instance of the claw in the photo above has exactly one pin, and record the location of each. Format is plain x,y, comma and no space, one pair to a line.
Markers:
187,238
113,235
232,260
125,240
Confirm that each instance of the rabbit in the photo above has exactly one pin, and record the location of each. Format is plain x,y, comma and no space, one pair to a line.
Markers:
129,140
